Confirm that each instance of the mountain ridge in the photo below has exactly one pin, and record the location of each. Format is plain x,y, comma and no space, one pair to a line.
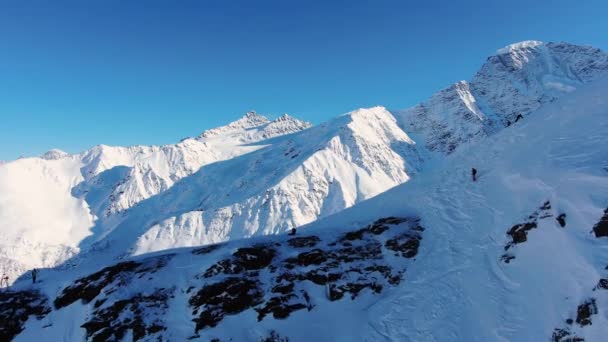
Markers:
318,171
389,268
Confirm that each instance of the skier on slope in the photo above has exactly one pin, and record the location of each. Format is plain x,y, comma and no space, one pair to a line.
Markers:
474,174
34,275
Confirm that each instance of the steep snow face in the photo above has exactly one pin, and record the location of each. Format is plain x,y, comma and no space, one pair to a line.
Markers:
520,254
49,204
292,182
520,46
510,85
40,222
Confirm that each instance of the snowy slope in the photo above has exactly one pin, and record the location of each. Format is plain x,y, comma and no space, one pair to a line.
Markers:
251,177
256,176
292,181
48,205
519,79
518,255
464,284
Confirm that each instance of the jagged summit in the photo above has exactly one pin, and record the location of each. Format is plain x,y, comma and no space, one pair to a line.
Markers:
526,44
509,86
54,154
253,119
253,127
250,120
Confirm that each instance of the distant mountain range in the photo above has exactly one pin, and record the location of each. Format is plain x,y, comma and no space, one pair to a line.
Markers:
518,253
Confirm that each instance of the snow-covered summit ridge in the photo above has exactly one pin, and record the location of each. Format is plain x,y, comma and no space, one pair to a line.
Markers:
56,199
510,85
290,182
54,154
251,183
526,44
254,127
547,174
250,120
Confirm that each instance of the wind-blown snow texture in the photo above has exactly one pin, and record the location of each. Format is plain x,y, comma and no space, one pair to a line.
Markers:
520,254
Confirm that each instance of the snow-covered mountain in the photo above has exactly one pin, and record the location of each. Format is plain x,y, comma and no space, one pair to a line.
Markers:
518,255
256,176
251,177
518,80
292,181
49,205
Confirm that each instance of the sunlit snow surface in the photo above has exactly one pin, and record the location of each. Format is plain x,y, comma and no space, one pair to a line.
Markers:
458,287
469,281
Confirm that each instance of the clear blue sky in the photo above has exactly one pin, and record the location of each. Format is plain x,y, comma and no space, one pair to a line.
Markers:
74,74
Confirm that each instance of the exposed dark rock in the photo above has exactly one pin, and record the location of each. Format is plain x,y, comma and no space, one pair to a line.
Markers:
601,228
274,337
140,314
87,288
283,289
519,232
254,258
561,219
407,244
584,312
228,297
16,307
244,259
564,335
313,257
304,241
280,307
602,284
392,220
338,291
368,251
207,249
546,206
346,267
507,257
355,235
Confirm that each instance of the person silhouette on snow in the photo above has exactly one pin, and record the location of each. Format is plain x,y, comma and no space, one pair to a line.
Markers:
34,275
474,174
4,280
